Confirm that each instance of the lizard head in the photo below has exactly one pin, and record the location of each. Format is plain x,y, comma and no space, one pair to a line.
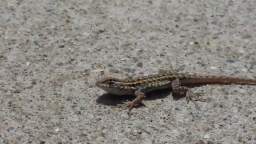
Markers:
112,85
107,82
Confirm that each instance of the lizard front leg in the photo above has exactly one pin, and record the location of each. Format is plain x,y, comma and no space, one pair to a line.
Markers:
178,90
139,98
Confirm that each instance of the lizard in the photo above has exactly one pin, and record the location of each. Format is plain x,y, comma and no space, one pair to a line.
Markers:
179,83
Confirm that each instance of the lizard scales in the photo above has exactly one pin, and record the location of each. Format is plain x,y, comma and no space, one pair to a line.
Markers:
162,81
179,83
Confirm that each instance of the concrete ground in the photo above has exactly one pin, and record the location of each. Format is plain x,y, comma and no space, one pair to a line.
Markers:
52,52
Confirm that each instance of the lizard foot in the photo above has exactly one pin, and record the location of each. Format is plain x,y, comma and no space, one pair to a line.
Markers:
194,97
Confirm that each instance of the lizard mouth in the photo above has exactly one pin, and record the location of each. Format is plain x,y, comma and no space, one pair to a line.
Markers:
99,84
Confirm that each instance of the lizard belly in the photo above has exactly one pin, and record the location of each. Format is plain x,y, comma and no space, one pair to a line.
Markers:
115,91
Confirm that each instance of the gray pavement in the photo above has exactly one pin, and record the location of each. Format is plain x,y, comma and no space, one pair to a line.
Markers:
52,52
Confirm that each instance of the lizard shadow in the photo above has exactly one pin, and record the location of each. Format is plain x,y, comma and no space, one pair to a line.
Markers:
114,100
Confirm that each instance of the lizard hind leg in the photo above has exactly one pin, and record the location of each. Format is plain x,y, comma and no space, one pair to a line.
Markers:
182,91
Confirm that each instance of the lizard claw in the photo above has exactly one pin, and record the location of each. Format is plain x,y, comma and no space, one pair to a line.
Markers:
199,97
131,105
195,97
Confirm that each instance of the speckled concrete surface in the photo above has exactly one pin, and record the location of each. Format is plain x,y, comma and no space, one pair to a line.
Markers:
51,53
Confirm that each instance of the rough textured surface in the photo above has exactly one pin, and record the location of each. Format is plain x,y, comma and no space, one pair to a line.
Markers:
51,53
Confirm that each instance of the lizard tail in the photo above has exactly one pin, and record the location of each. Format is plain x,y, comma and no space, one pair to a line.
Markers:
221,80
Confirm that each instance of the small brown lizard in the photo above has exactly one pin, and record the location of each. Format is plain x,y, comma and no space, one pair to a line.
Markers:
179,83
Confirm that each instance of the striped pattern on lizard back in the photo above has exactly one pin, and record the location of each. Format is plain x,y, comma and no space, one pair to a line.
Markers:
163,81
